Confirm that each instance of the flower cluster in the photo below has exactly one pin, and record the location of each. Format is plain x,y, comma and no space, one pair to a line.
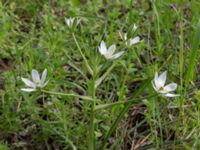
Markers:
158,82
108,53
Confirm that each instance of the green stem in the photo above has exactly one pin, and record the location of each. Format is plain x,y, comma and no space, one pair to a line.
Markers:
67,94
159,123
83,56
92,140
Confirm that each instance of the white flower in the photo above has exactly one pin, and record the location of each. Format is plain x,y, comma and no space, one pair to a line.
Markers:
70,21
37,81
159,85
131,41
109,53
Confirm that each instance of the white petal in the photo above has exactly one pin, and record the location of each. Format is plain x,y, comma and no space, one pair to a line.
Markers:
35,76
170,87
67,21
125,36
28,89
162,79
28,83
43,85
171,95
44,75
157,85
111,49
154,86
134,40
102,48
117,55
71,22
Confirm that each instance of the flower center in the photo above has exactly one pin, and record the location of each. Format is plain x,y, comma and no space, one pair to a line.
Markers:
161,88
38,83
108,55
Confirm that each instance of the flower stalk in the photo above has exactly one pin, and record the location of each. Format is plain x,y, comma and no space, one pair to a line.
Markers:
92,138
68,94
83,56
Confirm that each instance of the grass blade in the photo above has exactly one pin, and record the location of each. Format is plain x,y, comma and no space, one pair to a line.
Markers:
157,29
193,56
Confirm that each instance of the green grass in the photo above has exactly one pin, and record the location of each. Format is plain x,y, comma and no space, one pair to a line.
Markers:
90,102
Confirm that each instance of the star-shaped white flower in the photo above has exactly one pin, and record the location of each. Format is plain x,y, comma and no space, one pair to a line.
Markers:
37,81
70,21
109,53
159,85
131,41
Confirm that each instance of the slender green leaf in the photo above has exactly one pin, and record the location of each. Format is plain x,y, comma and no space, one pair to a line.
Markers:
98,81
104,106
157,28
193,56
